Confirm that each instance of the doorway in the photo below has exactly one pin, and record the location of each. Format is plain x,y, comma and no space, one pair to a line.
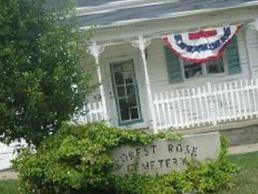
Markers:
126,92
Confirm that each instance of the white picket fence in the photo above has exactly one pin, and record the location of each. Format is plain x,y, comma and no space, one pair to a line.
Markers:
91,112
194,107
210,104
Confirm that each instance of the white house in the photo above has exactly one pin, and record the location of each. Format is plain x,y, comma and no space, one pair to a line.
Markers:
145,85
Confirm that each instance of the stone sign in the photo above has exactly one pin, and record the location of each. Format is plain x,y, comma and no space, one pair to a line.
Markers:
164,156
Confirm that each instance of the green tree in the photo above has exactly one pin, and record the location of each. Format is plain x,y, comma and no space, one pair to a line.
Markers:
42,78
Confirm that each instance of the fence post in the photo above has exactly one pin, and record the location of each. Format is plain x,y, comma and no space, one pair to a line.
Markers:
212,104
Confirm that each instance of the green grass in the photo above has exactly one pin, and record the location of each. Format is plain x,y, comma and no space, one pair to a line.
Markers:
8,187
246,181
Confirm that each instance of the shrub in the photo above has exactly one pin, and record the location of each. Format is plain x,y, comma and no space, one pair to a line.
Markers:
77,160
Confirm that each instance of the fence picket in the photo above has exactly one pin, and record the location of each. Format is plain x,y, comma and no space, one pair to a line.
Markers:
231,90
227,107
202,120
181,122
216,105
221,92
249,111
190,106
256,91
174,110
206,99
186,119
158,110
254,95
238,100
244,99
169,110
163,109
195,107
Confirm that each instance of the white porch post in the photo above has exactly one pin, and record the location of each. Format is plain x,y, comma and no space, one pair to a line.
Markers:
96,50
142,44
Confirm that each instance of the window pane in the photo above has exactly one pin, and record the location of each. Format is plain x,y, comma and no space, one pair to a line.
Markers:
132,101
128,77
118,68
134,113
130,90
216,66
121,91
127,66
119,78
124,110
123,104
125,115
193,70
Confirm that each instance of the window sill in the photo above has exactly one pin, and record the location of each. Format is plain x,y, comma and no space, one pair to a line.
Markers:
217,75
199,81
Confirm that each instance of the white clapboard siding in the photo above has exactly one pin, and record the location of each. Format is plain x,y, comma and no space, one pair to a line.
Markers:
210,104
91,112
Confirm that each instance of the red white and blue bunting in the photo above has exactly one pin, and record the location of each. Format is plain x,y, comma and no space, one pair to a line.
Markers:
201,46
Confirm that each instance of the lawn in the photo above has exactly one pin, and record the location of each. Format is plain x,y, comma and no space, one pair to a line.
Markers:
8,187
246,182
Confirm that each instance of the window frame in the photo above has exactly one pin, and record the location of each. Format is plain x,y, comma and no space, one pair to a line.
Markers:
204,69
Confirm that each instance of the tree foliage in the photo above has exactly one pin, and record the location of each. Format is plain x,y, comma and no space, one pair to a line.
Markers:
42,79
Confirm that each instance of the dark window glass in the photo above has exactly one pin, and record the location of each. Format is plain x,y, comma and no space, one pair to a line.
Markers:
119,78
121,91
216,66
123,103
128,77
118,68
125,115
130,90
193,70
132,101
134,113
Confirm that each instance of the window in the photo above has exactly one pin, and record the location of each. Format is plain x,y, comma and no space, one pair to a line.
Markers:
179,70
194,70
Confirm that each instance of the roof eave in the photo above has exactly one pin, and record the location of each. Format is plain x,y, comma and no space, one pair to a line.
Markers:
172,15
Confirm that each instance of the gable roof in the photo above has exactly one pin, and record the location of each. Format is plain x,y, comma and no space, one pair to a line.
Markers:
116,12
